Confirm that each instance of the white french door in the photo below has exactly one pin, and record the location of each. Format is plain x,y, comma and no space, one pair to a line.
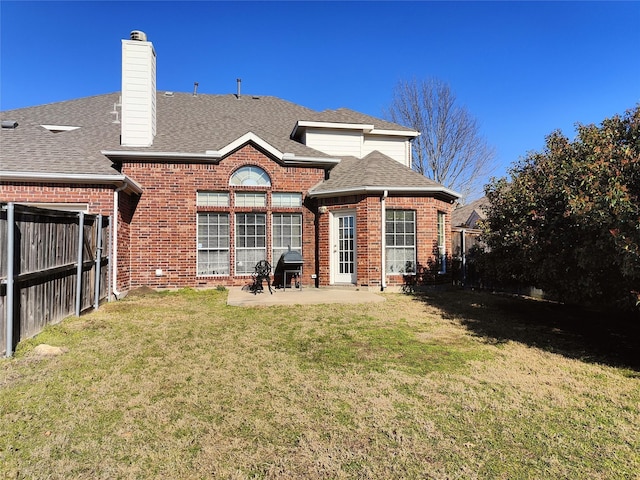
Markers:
344,248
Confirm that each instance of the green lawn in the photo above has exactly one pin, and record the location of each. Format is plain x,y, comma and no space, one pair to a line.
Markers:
446,385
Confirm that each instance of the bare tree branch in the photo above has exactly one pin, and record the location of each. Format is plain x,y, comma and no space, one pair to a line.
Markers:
450,149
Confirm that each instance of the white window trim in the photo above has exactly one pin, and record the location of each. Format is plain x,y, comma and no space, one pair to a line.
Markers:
199,249
403,247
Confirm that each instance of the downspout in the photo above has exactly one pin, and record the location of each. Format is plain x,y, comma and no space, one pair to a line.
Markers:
11,235
96,283
80,262
114,251
383,243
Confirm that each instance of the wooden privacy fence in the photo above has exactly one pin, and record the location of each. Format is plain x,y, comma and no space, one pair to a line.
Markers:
52,264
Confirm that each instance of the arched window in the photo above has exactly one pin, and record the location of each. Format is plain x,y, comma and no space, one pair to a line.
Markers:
250,176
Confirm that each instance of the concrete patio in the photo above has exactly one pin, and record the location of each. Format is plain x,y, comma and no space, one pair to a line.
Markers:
306,296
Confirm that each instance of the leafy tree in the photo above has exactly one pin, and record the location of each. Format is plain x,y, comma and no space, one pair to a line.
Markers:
450,149
569,220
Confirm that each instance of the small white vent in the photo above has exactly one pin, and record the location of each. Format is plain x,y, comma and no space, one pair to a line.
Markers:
138,36
59,128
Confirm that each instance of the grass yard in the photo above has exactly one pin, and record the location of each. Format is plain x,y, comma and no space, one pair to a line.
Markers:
447,385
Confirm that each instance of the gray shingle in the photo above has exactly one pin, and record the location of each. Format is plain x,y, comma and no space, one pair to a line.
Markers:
344,115
185,124
374,170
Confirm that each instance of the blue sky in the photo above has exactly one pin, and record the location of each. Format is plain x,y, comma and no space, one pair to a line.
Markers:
523,69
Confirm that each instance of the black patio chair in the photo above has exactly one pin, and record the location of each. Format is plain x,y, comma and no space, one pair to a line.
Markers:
262,272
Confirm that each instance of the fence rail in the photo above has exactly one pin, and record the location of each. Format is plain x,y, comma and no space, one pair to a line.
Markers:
52,264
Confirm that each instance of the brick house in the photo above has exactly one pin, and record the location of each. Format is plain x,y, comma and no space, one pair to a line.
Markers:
204,186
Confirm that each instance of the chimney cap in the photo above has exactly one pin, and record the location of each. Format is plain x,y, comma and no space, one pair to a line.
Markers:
138,35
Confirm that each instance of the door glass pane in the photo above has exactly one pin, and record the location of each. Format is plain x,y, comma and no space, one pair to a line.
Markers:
346,252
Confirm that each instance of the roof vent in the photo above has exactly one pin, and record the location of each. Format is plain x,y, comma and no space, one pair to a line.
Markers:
9,124
138,36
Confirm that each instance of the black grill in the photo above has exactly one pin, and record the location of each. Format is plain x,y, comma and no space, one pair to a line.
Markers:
289,270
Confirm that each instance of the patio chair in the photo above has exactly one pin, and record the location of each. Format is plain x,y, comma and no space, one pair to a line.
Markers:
261,273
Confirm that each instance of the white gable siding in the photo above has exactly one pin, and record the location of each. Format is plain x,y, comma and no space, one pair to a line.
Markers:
138,93
335,142
394,147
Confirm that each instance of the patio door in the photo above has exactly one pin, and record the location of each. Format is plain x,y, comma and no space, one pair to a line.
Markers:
344,248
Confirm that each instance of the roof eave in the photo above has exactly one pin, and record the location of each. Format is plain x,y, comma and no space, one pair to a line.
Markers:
214,156
394,133
366,128
294,160
369,189
130,185
115,155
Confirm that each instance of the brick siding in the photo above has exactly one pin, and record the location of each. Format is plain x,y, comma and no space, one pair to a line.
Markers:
158,230
369,233
164,226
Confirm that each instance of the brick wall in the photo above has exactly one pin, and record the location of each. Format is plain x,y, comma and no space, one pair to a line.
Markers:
369,231
98,197
158,230
164,225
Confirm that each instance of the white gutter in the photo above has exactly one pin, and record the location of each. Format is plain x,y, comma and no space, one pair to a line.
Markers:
383,239
290,158
374,189
128,154
216,155
114,251
72,178
367,128
393,133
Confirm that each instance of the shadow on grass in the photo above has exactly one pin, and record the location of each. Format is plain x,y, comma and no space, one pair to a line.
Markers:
599,337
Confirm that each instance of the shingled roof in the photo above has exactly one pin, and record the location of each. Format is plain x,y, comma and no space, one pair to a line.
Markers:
188,124
185,124
30,147
344,115
375,173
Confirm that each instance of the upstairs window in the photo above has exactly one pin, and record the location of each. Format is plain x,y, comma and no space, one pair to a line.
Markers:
250,176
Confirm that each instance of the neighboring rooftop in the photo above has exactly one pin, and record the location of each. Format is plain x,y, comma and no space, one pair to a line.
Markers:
470,214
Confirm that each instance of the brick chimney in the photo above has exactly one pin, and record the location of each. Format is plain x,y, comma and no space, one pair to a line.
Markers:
138,123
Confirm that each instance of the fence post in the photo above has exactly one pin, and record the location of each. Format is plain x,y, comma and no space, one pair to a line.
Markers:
11,231
109,243
80,261
96,295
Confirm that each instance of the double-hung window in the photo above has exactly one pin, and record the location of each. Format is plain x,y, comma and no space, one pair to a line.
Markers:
251,241
400,237
287,233
213,243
